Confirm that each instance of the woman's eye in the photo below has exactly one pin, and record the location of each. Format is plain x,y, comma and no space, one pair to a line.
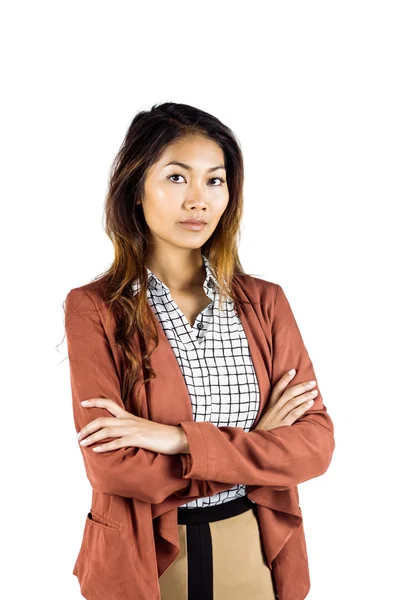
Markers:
212,179
176,175
219,178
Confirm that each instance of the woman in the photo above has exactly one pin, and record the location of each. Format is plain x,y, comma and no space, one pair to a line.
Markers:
185,362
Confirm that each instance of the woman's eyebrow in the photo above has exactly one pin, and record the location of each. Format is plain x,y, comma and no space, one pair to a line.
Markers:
180,164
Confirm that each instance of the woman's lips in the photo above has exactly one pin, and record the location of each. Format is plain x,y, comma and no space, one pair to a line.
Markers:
193,226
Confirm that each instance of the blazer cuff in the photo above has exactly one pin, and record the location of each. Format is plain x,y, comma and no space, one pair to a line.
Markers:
194,464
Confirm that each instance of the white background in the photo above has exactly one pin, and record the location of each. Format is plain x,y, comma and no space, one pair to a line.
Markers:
312,91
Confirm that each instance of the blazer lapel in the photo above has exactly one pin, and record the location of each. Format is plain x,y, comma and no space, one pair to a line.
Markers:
168,397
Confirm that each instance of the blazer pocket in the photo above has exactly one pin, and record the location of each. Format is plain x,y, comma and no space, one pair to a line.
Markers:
99,565
97,519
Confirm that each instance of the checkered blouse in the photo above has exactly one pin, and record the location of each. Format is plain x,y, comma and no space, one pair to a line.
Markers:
215,361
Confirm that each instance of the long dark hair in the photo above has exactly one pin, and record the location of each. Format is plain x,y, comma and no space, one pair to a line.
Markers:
147,137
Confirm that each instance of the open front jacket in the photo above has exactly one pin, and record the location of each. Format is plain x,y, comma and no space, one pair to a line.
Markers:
130,534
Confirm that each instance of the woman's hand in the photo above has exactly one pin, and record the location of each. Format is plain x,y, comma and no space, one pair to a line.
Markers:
284,406
130,430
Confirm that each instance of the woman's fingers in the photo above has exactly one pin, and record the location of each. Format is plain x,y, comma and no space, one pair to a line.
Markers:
98,424
283,395
117,430
107,403
285,405
114,445
119,413
296,391
280,386
303,403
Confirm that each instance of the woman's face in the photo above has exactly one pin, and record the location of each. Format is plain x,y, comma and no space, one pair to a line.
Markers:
174,193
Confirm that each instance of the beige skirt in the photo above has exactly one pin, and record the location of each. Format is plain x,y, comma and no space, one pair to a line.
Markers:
221,556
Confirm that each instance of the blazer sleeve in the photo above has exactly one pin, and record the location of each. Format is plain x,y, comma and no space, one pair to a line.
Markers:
279,458
131,472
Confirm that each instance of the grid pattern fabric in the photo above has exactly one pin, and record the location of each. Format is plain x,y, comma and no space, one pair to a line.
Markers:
215,362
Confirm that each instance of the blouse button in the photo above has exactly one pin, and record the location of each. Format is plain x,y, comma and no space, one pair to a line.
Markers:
199,325
210,284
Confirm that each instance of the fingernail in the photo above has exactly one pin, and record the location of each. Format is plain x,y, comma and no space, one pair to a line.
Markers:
292,372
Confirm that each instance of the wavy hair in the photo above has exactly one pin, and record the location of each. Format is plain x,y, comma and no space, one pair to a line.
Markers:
148,135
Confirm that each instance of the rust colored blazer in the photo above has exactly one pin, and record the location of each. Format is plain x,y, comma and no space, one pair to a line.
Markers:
130,535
